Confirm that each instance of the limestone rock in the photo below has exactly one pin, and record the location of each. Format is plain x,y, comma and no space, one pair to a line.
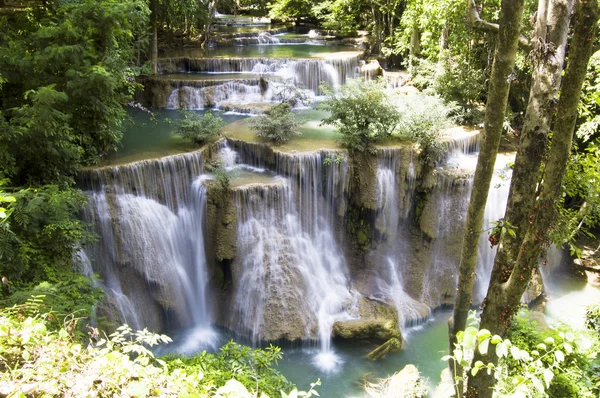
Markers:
404,384
379,323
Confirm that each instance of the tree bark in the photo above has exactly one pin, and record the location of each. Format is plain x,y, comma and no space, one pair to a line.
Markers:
212,9
506,295
476,22
154,40
549,55
504,59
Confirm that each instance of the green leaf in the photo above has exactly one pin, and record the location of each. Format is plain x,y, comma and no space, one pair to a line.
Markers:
483,346
559,355
548,376
501,350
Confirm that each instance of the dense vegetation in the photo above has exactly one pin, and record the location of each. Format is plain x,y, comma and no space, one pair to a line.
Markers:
41,354
70,68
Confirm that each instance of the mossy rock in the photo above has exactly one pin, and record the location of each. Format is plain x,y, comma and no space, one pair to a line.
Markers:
378,323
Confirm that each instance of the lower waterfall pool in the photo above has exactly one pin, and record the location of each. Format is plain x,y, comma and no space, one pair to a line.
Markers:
423,346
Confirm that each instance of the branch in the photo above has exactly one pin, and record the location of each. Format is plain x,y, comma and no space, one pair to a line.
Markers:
477,23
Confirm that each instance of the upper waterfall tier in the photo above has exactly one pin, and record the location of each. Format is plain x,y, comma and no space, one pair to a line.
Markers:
166,180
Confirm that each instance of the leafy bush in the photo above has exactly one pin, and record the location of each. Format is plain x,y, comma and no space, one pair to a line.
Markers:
251,367
592,317
534,364
74,294
423,118
277,125
198,129
459,82
47,362
39,238
572,377
362,113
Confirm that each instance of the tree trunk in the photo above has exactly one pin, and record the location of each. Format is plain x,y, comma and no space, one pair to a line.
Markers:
505,294
504,59
154,41
212,9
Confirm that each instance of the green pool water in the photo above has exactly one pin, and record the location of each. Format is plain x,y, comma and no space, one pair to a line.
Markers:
151,136
312,136
253,28
423,347
265,51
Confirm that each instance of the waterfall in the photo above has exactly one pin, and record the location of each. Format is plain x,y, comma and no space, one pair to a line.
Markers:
307,74
495,208
151,256
293,277
393,248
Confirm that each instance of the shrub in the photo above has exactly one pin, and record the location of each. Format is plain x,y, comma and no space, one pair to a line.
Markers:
555,363
38,360
423,118
277,125
198,129
362,113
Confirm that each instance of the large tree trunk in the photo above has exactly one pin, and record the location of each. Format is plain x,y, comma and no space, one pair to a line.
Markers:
504,295
504,60
154,41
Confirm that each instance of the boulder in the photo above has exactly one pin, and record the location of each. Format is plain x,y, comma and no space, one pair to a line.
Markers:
378,323
404,384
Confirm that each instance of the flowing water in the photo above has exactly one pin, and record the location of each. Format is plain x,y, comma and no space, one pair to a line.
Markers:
291,276
294,277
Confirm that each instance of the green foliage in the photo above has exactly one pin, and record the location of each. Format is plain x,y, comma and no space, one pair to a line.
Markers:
290,9
39,239
68,77
592,318
589,105
423,118
339,15
362,113
278,124
38,358
460,82
336,158
198,129
254,368
579,208
43,139
182,17
74,295
573,377
530,364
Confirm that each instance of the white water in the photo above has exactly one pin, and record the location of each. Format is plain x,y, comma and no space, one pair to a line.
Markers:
304,74
151,257
293,274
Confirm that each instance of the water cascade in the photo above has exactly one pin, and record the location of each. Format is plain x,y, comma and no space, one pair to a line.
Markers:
151,254
293,279
245,87
393,249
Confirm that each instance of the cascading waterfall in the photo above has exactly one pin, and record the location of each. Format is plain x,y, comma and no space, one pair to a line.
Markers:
305,74
294,279
393,248
494,210
157,248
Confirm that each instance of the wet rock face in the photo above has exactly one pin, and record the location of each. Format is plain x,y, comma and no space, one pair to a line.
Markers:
378,323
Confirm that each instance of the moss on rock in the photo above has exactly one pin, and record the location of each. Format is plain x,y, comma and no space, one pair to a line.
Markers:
378,323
